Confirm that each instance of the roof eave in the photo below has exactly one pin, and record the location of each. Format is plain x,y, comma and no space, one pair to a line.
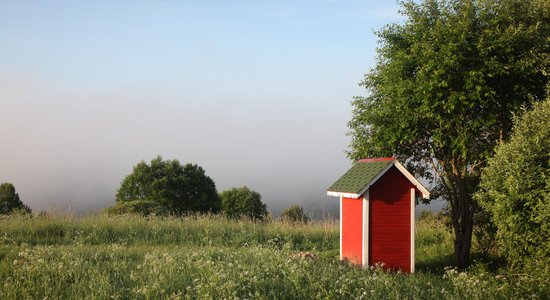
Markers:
343,194
417,184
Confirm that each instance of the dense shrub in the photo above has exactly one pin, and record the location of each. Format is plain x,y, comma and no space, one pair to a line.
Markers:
294,214
175,188
515,190
243,202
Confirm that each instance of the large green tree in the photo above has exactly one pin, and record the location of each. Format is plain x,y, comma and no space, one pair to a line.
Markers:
443,91
515,190
176,189
9,200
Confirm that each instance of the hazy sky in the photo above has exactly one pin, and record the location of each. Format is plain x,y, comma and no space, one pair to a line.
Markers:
256,92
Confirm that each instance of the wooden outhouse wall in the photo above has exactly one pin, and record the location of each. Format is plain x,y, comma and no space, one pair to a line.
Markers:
352,229
390,221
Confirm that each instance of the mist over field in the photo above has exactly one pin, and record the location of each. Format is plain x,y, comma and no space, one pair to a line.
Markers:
258,96
73,150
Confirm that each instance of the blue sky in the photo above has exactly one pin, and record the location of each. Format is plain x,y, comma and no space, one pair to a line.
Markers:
108,44
256,92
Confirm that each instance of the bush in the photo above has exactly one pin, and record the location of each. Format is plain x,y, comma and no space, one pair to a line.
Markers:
294,214
426,215
141,207
10,202
515,190
485,234
243,202
167,187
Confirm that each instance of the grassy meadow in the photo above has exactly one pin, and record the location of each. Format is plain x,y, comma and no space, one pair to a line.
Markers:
210,257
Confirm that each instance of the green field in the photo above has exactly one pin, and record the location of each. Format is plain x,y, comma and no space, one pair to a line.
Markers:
101,257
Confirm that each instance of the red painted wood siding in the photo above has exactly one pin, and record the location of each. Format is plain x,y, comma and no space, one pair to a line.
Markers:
390,221
352,229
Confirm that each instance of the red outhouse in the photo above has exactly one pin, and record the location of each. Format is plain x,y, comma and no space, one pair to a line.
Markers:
377,201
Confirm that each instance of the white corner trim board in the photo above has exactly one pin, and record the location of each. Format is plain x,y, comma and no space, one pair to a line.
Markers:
413,204
365,245
341,221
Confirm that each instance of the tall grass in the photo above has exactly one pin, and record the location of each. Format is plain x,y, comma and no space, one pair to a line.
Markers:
100,257
434,245
193,230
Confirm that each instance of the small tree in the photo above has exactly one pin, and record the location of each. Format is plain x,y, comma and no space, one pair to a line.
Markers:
294,214
515,190
243,202
9,200
175,188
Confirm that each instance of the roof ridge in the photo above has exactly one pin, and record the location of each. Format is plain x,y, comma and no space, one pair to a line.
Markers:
374,159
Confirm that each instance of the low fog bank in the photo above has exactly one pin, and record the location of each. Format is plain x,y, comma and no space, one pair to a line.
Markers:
84,191
68,149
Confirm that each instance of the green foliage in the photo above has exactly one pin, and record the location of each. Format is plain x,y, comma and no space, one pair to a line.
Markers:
437,217
139,207
9,200
175,188
197,257
515,190
294,214
426,215
243,202
485,234
444,89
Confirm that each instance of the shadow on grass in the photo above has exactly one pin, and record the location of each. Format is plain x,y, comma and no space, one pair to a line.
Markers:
436,265
491,263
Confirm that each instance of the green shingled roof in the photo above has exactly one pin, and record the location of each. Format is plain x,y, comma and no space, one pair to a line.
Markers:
356,178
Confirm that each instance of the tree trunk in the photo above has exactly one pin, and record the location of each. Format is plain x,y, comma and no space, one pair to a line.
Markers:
463,227
462,213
